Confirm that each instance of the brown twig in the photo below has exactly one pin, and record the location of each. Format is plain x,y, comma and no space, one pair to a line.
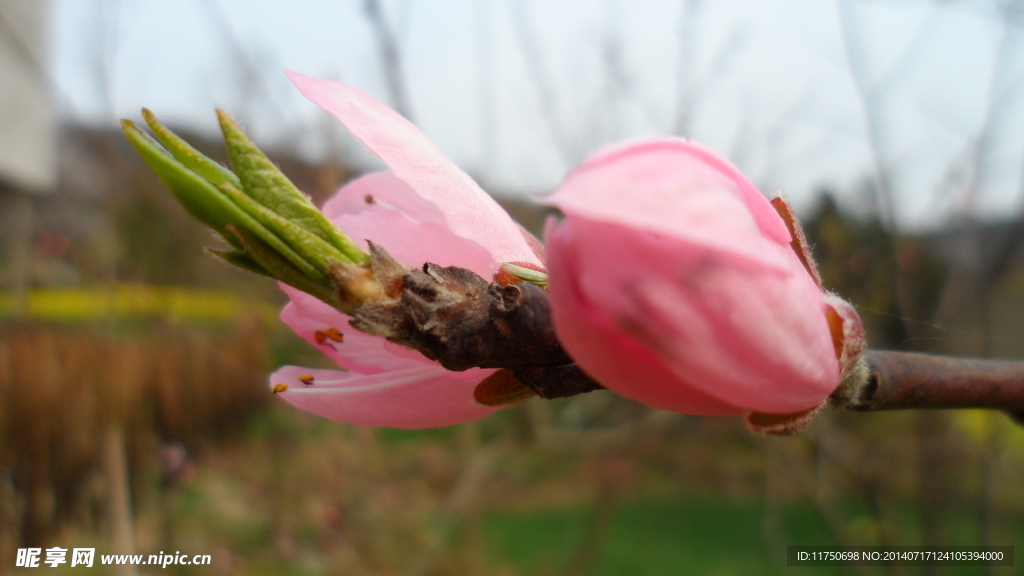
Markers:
905,380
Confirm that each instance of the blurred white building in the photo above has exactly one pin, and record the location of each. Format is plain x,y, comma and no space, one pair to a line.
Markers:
28,159
28,152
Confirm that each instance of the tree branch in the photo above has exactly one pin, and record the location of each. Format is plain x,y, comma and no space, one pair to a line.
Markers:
905,380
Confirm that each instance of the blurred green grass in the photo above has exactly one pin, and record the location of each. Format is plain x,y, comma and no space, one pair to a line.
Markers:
655,538
679,537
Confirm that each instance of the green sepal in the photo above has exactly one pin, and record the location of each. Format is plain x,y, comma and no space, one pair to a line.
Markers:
266,184
189,156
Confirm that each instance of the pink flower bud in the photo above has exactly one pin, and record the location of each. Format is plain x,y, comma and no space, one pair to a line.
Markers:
673,282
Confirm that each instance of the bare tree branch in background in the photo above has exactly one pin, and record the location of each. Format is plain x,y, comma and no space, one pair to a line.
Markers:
106,52
873,121
488,109
776,133
721,61
616,80
973,276
252,76
685,61
619,81
968,269
543,85
690,85
391,57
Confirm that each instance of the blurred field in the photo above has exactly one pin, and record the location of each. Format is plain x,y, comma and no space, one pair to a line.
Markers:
531,491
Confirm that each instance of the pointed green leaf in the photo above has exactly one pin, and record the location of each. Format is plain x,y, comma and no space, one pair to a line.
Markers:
189,156
280,268
266,184
306,244
207,203
240,260
198,196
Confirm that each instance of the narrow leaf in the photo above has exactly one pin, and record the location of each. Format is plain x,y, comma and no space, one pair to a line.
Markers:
205,202
267,185
281,269
189,156
198,196
240,260
306,245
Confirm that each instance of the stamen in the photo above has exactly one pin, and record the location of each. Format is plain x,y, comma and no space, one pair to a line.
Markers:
306,379
278,388
369,199
361,384
333,334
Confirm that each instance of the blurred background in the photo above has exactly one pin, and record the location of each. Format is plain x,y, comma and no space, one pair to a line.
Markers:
134,414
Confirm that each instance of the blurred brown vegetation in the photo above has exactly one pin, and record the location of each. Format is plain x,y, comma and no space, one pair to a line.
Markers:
63,390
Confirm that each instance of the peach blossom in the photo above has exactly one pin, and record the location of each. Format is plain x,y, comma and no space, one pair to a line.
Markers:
424,209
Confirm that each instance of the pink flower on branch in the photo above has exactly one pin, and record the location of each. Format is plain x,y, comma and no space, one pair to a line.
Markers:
423,210
674,282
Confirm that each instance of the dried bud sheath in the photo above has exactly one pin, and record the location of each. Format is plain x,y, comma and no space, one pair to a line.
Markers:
457,318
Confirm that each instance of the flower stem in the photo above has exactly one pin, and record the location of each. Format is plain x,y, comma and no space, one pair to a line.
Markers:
907,380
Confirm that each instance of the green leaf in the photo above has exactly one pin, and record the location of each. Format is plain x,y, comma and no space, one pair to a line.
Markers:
266,184
306,245
207,203
198,196
240,260
278,267
189,156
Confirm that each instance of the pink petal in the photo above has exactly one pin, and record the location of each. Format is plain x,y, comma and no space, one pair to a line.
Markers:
468,211
751,336
383,190
419,397
359,351
415,243
677,188
611,355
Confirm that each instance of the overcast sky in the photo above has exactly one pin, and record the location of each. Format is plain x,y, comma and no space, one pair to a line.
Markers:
518,91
